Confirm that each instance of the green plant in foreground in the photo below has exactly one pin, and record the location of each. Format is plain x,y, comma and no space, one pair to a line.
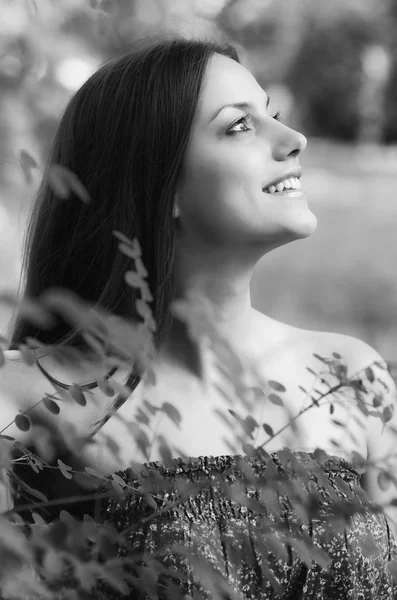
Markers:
65,558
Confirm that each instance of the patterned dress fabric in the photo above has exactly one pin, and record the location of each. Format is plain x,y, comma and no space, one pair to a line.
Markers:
240,542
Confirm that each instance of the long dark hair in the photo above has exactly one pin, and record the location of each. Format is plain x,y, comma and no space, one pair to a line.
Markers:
124,135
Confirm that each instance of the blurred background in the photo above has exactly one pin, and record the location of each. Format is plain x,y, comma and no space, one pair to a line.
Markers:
331,70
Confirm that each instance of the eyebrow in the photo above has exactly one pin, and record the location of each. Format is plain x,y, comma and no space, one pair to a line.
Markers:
242,105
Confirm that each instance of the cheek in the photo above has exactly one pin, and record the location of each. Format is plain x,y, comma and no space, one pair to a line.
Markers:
219,178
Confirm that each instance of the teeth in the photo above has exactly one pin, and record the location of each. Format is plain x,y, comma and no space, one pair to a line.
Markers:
291,183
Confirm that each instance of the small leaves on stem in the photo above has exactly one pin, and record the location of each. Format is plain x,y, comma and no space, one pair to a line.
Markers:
275,385
51,405
77,394
22,422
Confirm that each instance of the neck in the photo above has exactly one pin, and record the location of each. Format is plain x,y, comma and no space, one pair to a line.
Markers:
219,280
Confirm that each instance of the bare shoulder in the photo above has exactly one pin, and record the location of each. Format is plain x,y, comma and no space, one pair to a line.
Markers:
356,352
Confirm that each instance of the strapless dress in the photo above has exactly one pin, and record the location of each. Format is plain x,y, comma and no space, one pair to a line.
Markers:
239,543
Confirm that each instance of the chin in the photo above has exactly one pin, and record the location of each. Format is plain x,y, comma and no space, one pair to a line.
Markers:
304,225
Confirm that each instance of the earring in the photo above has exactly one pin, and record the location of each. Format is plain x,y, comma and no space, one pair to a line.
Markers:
175,211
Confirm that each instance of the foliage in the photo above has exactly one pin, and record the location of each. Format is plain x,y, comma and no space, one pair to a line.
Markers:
65,557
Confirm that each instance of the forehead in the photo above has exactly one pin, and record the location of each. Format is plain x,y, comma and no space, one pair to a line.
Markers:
226,82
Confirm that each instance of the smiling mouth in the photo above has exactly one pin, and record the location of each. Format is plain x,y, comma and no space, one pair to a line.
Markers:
291,184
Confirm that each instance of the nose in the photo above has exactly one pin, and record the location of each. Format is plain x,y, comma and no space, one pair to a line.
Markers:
289,143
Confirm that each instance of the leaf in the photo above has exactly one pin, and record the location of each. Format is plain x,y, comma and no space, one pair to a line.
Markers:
134,244
331,409
123,238
52,563
370,374
275,385
384,480
57,534
119,480
172,413
27,162
35,313
143,309
140,267
16,518
142,418
320,455
36,464
67,518
38,519
22,448
340,370
133,279
128,251
77,395
93,342
22,422
357,460
274,399
323,360
377,401
118,489
51,406
106,387
268,429
65,469
32,491
302,388
145,292
150,407
63,182
151,501
338,423
165,452
94,472
336,355
27,354
387,414
357,385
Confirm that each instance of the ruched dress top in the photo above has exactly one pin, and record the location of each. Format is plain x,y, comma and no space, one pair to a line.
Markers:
240,540
195,520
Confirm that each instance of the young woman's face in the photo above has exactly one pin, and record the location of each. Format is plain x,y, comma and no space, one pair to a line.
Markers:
230,160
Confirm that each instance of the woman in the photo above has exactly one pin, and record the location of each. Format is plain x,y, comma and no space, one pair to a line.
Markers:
177,147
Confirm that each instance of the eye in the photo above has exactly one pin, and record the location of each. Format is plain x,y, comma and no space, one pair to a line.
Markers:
242,120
